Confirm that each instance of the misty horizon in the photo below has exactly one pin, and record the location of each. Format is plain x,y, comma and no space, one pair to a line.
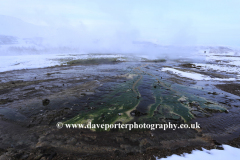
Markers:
117,27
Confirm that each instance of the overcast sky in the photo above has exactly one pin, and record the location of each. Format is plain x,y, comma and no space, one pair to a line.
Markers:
169,22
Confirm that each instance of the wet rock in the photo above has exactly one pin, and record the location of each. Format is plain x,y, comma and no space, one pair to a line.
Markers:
120,139
129,148
102,116
49,116
38,156
5,101
198,114
137,113
24,156
43,153
188,65
45,102
211,110
133,113
183,99
42,144
89,138
92,108
119,153
217,145
37,87
156,113
72,141
4,157
86,93
207,103
172,120
226,111
194,104
216,142
214,93
145,143
83,94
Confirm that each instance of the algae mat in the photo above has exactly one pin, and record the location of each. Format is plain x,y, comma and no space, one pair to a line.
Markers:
146,98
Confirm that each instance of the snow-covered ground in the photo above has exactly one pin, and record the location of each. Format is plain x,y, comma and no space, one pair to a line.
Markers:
219,67
26,62
225,62
195,76
9,63
17,62
217,60
229,152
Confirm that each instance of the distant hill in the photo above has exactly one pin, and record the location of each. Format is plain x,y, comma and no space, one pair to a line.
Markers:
11,26
6,40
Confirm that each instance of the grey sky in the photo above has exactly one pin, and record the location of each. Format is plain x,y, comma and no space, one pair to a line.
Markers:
176,22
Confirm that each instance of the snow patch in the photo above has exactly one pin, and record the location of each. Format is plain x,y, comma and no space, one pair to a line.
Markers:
195,76
9,63
217,67
228,153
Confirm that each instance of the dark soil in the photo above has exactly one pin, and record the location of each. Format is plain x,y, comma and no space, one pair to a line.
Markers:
233,88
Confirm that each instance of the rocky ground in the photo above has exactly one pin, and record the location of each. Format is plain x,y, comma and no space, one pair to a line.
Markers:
33,101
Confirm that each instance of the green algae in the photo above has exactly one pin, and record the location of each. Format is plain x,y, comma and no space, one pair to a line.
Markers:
171,101
121,100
